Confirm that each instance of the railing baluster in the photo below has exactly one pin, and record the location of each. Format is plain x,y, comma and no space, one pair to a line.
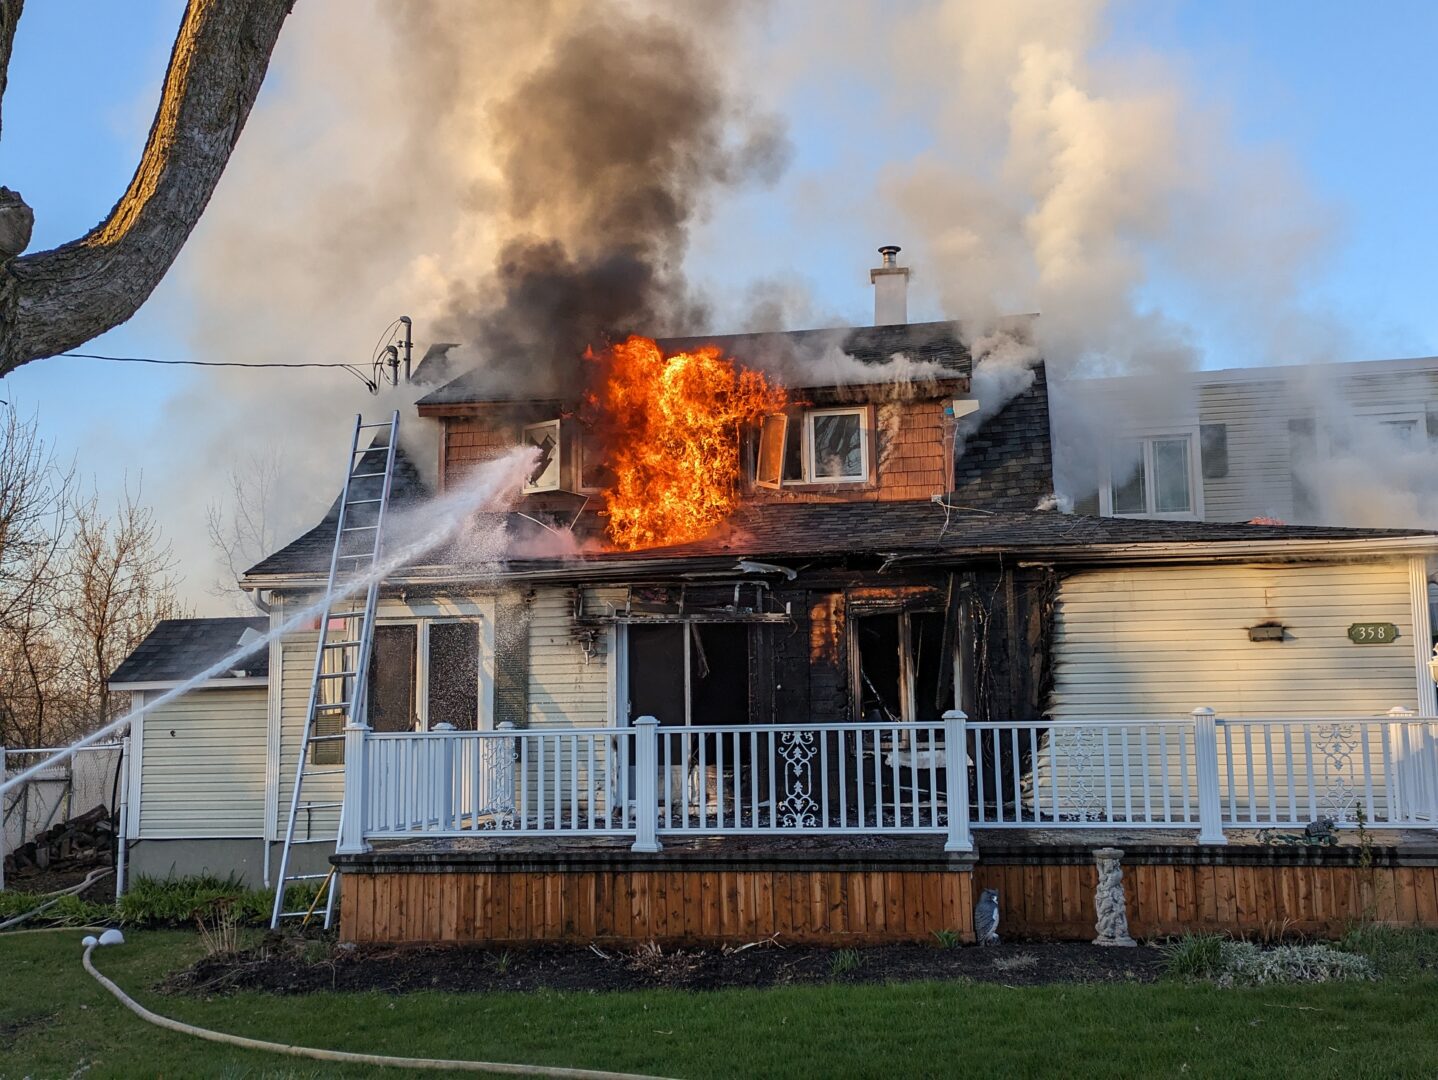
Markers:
979,769
1015,768
1147,779
1368,774
1127,781
1232,788
754,779
1167,779
1312,780
934,777
1252,786
1292,782
1272,776
914,779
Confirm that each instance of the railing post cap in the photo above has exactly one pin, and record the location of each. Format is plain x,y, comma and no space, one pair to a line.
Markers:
1401,710
955,714
356,725
647,721
1204,710
506,725
442,726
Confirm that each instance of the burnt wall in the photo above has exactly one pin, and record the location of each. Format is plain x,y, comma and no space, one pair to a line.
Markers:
1007,642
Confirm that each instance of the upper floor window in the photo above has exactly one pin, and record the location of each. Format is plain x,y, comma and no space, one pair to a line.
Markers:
545,438
1153,476
817,446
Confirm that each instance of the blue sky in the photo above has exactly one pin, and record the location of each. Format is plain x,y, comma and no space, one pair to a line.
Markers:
1345,90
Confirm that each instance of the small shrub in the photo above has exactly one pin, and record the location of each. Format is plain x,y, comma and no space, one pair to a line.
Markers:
1195,956
1399,951
219,929
948,939
154,902
67,911
1246,964
500,962
843,961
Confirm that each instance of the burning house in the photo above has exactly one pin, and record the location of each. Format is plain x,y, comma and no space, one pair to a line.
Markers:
779,640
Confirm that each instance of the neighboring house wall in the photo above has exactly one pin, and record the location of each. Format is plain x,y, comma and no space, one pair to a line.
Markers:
1263,440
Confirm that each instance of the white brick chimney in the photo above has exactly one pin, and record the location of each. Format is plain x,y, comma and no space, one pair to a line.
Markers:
891,288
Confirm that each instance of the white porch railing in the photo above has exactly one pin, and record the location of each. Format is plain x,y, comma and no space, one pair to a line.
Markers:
647,782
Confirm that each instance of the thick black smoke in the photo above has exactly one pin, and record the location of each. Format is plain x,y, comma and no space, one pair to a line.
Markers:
610,149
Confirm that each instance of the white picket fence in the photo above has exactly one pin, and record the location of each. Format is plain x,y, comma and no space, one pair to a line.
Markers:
646,782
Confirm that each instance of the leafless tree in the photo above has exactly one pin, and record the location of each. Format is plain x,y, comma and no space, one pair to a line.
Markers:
241,527
118,583
55,300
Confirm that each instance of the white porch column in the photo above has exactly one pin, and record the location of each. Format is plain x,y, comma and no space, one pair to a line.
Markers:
123,829
646,776
352,811
956,778
1210,802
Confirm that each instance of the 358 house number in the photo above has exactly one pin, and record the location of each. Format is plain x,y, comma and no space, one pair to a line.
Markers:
1372,633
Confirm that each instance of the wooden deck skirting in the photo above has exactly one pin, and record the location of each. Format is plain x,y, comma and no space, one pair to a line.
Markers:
736,892
683,895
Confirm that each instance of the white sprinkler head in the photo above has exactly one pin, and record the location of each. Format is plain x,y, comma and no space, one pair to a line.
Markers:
90,939
112,937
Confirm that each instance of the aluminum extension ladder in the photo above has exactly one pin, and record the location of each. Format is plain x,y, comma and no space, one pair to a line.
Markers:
342,656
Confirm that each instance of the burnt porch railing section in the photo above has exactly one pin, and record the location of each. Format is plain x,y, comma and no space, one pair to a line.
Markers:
1201,772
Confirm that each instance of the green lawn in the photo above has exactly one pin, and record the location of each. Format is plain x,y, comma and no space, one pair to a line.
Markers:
55,1020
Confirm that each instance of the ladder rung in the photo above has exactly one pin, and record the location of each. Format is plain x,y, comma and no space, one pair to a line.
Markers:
379,424
341,644
362,502
365,475
337,674
345,614
358,555
319,805
333,705
324,772
325,738
360,528
373,450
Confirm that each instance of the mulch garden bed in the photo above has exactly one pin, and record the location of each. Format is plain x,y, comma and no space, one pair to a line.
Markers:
287,967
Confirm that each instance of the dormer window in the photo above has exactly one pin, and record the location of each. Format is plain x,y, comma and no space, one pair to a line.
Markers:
816,446
545,438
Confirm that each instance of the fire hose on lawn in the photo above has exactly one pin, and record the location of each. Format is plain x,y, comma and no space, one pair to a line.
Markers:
113,937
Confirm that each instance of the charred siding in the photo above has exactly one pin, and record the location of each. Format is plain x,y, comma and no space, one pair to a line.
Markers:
1008,463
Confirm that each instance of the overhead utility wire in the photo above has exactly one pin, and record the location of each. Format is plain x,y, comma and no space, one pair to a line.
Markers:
226,363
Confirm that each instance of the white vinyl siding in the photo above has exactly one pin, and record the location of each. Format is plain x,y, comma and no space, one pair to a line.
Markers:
1162,641
297,669
202,765
567,688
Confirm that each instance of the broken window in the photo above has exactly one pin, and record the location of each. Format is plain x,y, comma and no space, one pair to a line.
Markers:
819,446
773,431
901,668
453,665
594,474
545,438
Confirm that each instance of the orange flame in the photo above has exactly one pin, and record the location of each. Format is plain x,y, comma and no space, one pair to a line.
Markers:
671,427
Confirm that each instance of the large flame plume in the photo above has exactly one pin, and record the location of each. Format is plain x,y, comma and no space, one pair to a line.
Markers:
671,427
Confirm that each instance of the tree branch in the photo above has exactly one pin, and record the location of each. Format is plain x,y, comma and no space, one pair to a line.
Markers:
55,300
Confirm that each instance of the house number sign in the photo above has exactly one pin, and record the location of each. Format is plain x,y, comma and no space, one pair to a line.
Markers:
1372,633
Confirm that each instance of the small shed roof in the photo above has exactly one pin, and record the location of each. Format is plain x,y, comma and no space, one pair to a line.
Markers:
178,649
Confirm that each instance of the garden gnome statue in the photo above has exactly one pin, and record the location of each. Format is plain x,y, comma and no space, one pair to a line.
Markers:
1108,900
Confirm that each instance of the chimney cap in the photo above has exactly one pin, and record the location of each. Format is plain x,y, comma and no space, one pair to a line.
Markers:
890,253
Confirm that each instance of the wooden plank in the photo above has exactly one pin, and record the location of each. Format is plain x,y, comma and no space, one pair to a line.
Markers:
802,917
913,904
763,904
674,904
875,895
1051,885
693,907
1227,895
709,900
819,906
784,904
893,903
1425,883
933,881
1303,879
1206,908
1072,899
1247,916
856,904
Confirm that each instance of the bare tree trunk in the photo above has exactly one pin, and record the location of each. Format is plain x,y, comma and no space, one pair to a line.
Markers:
51,301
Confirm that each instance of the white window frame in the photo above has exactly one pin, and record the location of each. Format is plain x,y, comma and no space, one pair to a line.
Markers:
807,450
1148,436
553,425
485,720
811,455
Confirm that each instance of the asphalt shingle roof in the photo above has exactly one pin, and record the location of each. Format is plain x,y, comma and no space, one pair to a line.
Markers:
828,530
179,648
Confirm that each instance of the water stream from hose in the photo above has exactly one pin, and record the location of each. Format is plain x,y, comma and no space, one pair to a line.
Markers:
447,519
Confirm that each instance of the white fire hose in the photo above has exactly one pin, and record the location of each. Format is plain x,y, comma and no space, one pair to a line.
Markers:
112,937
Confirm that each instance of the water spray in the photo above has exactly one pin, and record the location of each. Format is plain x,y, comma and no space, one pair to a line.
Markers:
484,486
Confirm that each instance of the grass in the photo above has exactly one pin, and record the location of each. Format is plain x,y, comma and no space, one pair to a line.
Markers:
55,1020
162,902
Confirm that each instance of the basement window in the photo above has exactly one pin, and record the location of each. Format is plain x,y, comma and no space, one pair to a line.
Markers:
817,446
545,438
